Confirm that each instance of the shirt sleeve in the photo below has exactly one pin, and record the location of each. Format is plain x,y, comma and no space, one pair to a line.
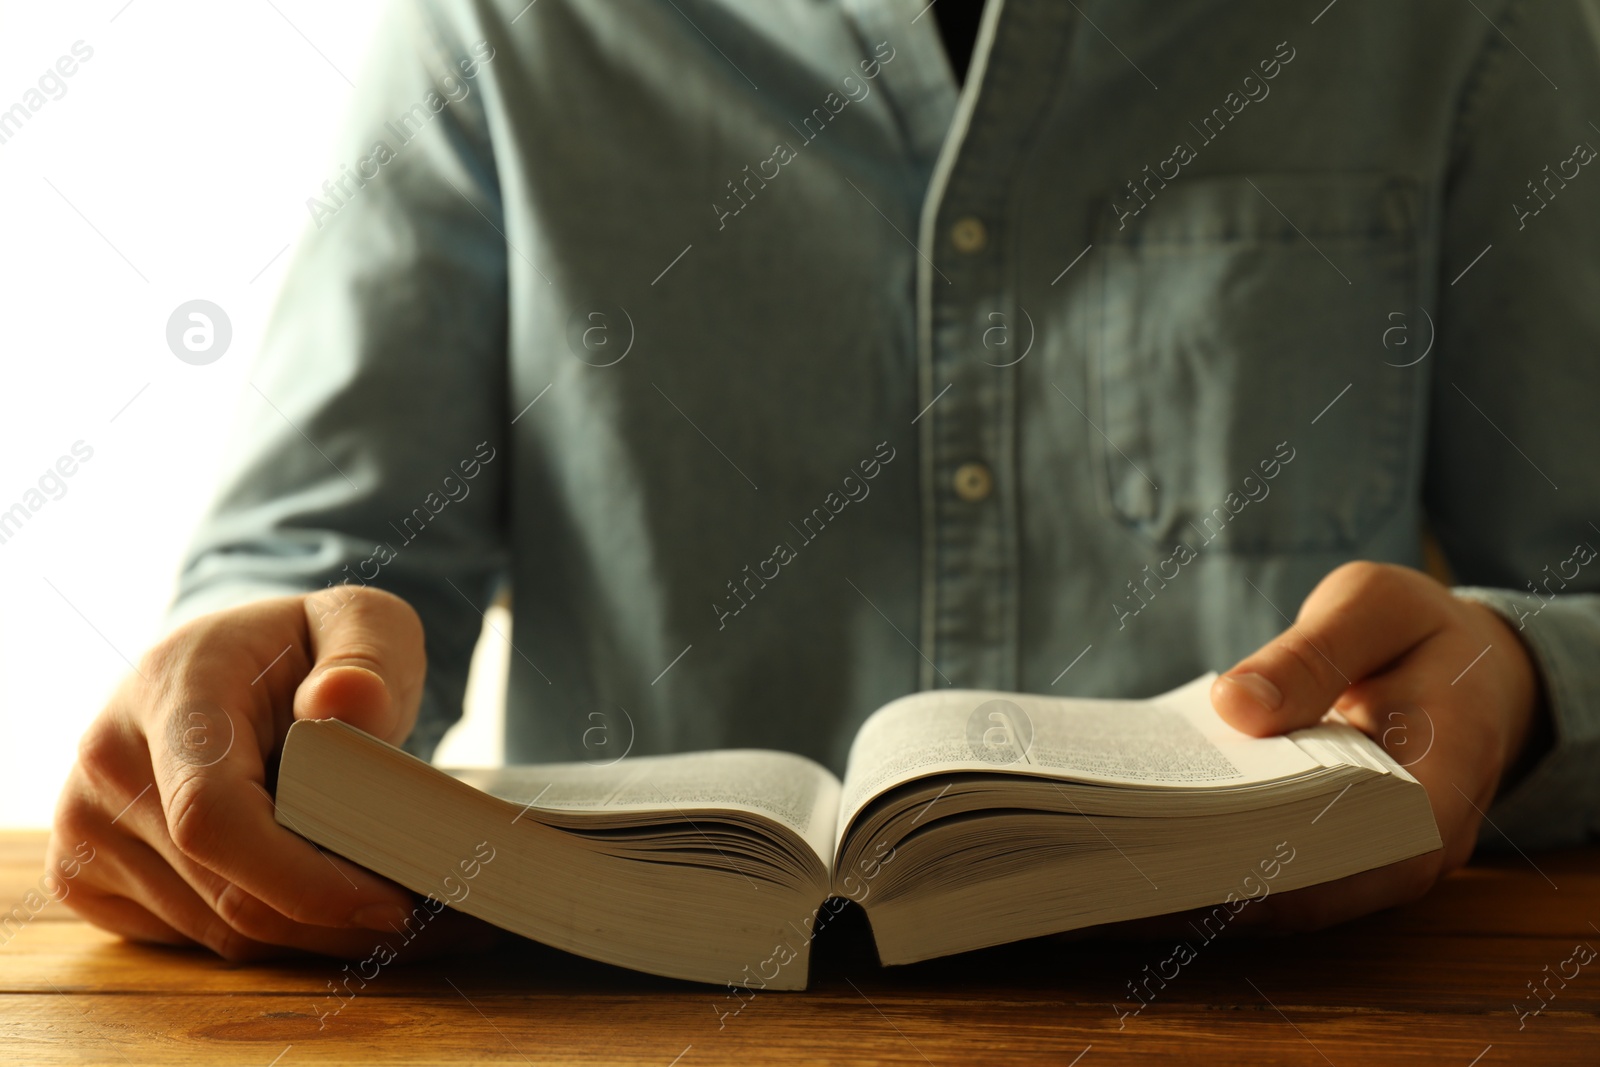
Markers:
1512,478
370,446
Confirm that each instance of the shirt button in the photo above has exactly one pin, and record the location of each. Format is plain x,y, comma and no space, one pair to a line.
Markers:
968,235
973,482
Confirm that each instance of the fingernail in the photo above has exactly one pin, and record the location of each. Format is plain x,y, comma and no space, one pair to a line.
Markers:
1262,691
380,917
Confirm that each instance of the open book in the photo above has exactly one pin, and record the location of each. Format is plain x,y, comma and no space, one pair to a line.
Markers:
965,819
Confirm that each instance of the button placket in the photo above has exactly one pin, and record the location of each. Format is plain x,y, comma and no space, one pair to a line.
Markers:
970,572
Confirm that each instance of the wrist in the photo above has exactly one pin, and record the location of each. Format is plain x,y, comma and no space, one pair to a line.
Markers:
1538,740
1532,728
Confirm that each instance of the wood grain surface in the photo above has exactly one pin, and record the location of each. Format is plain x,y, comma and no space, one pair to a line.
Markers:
1438,982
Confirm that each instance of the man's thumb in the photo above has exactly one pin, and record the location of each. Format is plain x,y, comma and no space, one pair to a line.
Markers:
1360,618
367,661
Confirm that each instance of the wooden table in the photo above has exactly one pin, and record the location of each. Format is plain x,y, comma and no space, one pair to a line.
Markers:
1432,983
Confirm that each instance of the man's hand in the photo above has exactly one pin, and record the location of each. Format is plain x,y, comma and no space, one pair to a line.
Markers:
1441,682
169,787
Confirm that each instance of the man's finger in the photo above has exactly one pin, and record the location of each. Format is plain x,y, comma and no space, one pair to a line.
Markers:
138,869
245,913
1357,620
125,917
1319,906
221,818
368,662
206,757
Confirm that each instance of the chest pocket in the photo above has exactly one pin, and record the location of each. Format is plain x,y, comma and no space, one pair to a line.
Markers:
1232,312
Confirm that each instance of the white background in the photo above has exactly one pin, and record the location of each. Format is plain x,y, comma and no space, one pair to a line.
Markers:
175,167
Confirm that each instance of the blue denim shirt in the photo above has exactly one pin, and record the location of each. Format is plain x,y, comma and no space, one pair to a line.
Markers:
778,374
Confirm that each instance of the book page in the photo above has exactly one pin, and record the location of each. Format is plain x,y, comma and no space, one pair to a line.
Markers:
1174,740
789,789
